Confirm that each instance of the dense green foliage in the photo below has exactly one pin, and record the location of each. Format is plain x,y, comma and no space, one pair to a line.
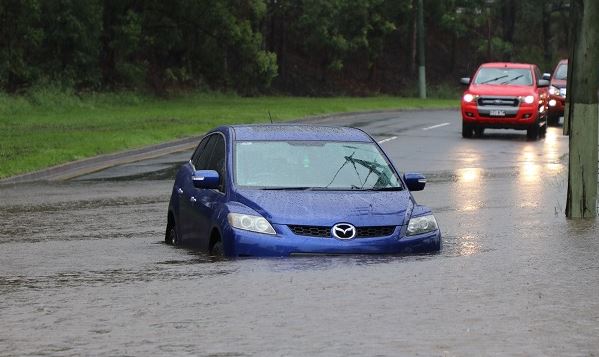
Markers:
49,127
253,46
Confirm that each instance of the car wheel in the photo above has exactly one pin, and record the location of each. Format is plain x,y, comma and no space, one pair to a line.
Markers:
543,130
217,249
466,130
479,132
173,236
533,132
553,119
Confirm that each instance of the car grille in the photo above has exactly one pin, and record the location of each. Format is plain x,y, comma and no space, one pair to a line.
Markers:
498,101
325,232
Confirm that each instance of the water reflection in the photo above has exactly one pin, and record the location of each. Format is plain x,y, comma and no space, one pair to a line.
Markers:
469,182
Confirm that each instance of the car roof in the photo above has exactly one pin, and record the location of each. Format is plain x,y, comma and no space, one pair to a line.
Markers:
507,65
297,132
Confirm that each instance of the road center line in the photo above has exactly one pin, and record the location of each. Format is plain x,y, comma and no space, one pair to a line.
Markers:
435,126
388,139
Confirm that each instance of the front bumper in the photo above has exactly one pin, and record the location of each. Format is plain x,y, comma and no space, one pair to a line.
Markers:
515,117
557,104
286,243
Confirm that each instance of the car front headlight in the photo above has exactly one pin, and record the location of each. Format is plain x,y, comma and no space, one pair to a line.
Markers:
529,99
423,224
250,223
553,90
468,98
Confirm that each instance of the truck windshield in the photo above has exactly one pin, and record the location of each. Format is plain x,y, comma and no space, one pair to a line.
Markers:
504,76
312,165
561,72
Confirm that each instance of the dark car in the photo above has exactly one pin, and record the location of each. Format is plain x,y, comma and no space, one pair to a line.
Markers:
557,92
505,96
280,190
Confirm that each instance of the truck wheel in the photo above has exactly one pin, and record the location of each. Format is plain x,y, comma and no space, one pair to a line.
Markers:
466,130
543,130
532,133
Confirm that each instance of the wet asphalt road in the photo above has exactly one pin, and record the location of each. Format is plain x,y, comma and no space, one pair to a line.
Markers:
83,270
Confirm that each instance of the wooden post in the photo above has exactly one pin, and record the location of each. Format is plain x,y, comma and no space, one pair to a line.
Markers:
583,86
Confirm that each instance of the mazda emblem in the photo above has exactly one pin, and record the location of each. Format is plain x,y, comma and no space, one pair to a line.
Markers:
343,231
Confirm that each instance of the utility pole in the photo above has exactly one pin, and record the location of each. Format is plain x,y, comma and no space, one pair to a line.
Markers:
421,61
583,86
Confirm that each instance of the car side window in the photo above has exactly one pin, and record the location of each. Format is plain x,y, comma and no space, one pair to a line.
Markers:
202,160
199,149
218,159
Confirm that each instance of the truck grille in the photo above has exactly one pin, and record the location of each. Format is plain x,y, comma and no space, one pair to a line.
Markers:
498,101
325,232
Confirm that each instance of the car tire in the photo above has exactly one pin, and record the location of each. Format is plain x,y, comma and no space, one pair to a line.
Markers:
217,249
543,131
532,133
173,236
553,119
479,132
466,130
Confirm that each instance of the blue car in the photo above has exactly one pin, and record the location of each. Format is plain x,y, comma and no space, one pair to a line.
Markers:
283,190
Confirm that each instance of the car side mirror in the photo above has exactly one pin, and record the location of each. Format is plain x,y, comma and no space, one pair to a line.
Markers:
542,83
465,81
205,179
415,182
547,76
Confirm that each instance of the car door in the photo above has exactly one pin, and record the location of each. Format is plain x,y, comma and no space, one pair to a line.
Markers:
208,201
188,193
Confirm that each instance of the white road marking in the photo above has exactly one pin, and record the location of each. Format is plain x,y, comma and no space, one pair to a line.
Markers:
435,126
388,139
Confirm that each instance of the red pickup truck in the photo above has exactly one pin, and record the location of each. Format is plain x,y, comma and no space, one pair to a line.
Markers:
505,96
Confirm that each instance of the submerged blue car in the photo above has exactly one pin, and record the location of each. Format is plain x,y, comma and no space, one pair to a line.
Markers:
282,190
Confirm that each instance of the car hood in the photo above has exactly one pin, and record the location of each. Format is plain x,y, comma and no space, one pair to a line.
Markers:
502,90
559,83
325,208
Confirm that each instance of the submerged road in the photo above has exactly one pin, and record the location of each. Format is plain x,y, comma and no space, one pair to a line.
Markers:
84,270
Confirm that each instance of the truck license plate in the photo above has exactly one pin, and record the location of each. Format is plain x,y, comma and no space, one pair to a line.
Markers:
497,113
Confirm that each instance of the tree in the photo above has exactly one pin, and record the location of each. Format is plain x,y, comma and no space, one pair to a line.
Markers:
583,86
20,37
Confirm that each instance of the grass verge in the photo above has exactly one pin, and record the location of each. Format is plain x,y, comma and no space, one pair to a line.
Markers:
49,127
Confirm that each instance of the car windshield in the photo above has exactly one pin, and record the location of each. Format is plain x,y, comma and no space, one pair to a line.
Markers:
561,72
504,76
312,165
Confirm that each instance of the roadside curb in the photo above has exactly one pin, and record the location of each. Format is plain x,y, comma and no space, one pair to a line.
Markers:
89,165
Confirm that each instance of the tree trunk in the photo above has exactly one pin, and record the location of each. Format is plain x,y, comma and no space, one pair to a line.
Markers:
509,24
583,84
547,44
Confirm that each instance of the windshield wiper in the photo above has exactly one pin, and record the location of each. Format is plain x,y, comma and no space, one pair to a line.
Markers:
494,79
512,79
396,188
295,188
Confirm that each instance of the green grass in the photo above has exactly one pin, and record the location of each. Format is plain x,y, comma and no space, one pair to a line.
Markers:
48,127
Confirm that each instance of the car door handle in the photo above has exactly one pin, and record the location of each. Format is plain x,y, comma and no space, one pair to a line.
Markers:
180,191
192,199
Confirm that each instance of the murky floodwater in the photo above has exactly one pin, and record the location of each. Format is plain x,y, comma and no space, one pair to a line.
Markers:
83,271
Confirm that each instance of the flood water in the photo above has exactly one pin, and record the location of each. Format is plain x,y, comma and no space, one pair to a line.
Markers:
84,271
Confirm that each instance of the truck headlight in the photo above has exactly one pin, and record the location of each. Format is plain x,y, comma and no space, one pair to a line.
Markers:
250,223
529,99
423,224
468,98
